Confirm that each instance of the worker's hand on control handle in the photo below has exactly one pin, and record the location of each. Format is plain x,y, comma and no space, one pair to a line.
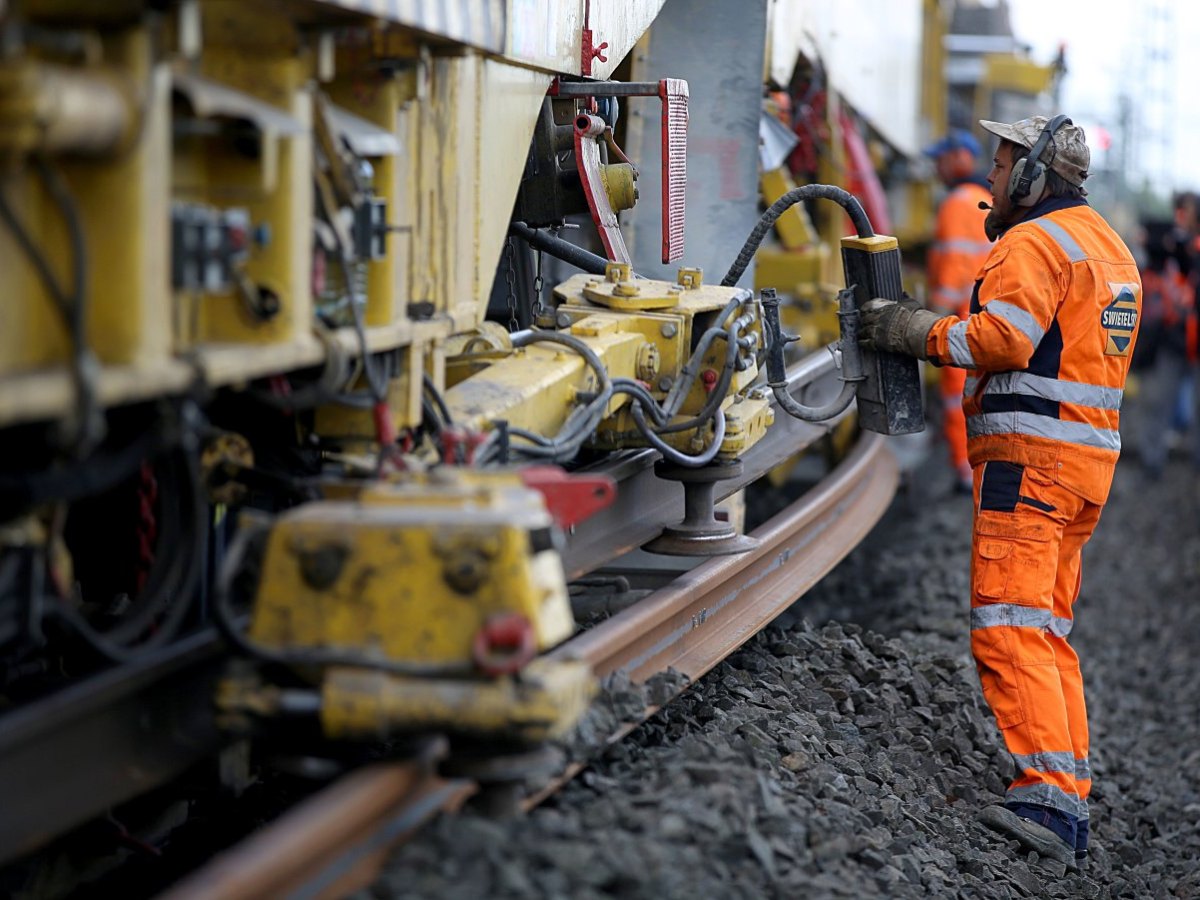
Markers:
896,327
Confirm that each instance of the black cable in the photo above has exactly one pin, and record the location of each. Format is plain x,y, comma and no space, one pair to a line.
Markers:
40,264
72,307
691,368
560,249
641,395
377,388
94,475
717,395
435,394
678,457
178,586
807,192
173,593
77,302
583,420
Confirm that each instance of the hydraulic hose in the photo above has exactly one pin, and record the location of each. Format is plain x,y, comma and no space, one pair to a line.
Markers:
170,596
852,369
582,421
717,395
679,458
559,249
808,192
691,369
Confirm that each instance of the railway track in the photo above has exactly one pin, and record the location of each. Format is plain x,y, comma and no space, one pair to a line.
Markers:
334,842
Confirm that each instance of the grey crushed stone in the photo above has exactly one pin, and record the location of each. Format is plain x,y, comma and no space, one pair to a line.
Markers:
850,758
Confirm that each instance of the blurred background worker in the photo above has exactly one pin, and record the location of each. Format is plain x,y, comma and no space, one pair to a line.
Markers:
958,250
1169,340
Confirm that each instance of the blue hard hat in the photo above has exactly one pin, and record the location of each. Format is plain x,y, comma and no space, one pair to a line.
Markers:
955,139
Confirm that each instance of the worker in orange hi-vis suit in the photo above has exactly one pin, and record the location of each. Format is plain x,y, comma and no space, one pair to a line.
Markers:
959,248
1054,318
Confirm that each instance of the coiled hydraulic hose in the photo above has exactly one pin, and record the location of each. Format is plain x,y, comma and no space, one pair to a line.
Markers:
808,192
171,590
678,457
853,371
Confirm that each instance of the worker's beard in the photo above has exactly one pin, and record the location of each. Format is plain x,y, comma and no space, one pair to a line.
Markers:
995,224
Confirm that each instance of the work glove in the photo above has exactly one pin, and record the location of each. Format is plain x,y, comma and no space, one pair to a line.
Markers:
895,327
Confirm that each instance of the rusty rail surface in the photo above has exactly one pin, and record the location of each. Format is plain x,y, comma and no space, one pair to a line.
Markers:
336,841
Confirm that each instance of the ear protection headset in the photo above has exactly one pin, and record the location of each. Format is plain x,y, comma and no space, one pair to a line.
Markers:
1028,177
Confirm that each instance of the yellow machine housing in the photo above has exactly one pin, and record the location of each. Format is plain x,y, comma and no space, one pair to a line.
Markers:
643,329
410,573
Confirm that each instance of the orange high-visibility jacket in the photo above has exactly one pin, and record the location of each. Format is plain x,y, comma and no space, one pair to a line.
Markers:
1054,318
959,247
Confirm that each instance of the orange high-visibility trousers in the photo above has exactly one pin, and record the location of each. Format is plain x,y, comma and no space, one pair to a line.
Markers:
1028,535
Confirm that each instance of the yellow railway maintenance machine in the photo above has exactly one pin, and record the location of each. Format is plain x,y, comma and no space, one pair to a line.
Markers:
248,376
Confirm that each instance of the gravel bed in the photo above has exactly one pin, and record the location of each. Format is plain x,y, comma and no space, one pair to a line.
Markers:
846,750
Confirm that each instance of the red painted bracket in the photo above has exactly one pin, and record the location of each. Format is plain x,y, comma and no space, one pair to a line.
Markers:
570,498
589,130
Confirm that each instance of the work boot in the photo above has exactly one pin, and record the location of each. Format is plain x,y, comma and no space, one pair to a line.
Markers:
1030,835
1081,845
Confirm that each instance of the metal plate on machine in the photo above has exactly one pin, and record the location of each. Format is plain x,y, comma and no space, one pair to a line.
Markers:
211,99
478,23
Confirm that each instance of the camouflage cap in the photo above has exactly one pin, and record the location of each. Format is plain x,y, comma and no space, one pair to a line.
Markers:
1068,155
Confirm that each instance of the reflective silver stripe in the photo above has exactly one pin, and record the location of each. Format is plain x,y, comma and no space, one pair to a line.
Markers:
1046,761
1060,627
1083,770
1075,392
1048,795
1014,315
969,385
1014,615
1043,426
960,353
1073,250
962,246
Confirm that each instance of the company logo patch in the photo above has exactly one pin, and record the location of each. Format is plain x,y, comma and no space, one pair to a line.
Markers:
1119,319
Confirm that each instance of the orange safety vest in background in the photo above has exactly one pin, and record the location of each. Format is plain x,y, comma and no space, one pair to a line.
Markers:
959,248
1054,318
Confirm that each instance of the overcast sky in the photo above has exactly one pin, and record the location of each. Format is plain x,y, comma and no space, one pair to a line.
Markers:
1137,47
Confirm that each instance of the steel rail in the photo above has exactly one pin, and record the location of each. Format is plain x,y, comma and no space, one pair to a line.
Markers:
332,843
